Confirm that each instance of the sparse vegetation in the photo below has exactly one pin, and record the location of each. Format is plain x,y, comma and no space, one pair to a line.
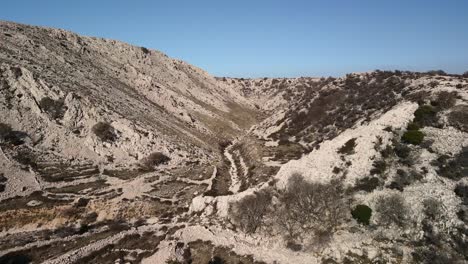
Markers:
362,214
104,131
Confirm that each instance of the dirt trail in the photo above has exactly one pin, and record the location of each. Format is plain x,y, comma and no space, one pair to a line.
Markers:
233,171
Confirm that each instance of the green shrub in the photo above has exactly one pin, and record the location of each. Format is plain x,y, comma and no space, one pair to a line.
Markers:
414,137
362,214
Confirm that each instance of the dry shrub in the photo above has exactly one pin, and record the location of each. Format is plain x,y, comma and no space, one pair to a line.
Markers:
392,209
104,131
446,100
55,108
459,117
249,212
311,207
154,159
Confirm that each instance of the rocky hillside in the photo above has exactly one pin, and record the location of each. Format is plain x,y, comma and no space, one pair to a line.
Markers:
112,153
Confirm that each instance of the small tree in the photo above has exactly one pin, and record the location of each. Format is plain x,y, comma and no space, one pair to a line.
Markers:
104,131
392,209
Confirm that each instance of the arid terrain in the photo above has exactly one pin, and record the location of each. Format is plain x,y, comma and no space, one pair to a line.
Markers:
113,153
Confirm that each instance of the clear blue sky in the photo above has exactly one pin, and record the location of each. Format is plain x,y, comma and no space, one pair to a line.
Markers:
272,38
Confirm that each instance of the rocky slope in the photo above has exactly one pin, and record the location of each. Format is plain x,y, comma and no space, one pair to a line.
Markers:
113,153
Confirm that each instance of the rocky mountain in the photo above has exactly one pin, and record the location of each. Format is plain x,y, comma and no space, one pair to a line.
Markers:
112,153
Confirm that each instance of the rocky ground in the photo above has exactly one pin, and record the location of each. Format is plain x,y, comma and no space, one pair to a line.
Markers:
112,153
